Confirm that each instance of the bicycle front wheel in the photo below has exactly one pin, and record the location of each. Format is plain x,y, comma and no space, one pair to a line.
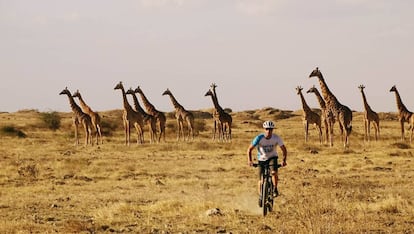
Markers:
265,195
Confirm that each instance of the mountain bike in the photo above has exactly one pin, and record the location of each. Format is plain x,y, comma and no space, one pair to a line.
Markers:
266,187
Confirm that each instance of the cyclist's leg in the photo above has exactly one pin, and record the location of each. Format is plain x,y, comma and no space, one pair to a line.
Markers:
259,183
274,172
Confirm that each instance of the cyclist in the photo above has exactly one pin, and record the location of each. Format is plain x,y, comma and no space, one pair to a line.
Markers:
266,151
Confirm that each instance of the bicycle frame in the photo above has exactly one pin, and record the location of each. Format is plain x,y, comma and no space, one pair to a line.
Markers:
266,187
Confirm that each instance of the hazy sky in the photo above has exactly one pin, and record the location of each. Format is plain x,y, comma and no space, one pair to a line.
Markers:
257,52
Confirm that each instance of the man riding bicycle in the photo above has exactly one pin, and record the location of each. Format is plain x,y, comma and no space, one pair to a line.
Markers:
266,152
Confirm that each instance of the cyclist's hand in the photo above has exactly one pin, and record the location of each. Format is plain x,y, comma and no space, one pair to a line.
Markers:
284,164
250,163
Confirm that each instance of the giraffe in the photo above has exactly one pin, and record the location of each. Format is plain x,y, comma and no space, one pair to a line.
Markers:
181,115
148,119
96,119
216,119
326,117
404,115
369,116
309,116
160,116
222,118
80,117
130,116
340,112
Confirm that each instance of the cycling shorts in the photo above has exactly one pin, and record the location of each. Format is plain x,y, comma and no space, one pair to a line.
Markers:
273,165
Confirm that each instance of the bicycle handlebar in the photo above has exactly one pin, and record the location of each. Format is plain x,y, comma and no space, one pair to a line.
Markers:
257,164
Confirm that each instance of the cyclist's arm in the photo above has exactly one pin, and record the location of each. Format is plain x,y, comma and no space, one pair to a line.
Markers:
249,155
284,153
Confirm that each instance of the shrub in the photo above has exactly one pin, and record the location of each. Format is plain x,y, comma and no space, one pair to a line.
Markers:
109,126
52,120
12,131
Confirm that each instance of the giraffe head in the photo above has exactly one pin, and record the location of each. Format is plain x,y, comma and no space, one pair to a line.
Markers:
393,89
130,91
316,73
361,87
76,94
312,90
167,92
119,85
213,85
65,91
299,89
138,90
209,93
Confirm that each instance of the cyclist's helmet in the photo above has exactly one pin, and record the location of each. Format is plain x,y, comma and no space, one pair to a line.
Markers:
268,124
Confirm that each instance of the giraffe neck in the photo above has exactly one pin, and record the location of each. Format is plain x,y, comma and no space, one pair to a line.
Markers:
127,106
150,108
175,102
216,105
215,100
320,99
327,94
138,107
75,108
84,106
305,106
400,104
366,106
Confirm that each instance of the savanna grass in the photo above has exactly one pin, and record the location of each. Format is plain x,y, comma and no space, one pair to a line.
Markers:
49,185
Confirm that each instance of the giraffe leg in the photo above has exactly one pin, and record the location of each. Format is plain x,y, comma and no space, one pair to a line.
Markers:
214,130
76,123
369,130
365,130
402,129
331,133
341,129
230,131
377,130
304,129
86,130
326,131
319,127
127,133
99,133
182,130
178,129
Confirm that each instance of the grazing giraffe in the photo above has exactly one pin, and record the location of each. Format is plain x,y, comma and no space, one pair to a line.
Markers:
80,117
148,119
222,118
404,115
182,115
369,116
96,119
326,117
130,116
341,112
160,116
309,116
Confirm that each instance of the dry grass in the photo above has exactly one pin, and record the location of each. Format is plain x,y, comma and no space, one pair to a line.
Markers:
49,185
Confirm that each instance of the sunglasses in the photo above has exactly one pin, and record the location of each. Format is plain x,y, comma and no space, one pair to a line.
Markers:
269,129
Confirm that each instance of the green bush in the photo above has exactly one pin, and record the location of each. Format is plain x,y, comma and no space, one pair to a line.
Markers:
52,120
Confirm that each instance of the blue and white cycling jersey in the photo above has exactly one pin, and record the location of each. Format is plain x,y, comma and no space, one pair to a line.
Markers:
266,148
